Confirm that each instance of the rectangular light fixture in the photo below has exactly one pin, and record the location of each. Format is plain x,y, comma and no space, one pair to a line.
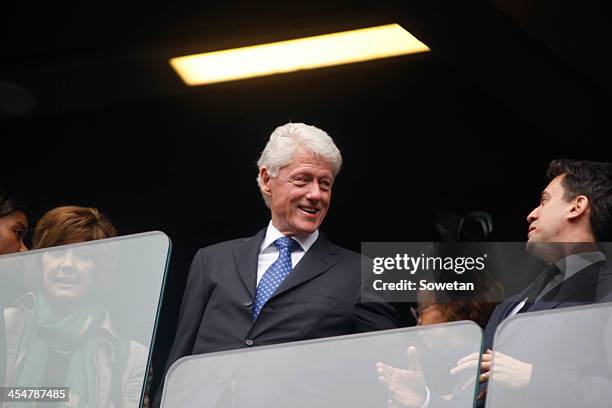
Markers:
304,53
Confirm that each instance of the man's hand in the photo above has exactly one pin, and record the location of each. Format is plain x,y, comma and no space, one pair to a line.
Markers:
506,371
407,386
470,362
509,372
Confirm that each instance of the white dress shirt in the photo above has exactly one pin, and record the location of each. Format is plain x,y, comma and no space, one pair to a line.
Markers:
268,253
568,266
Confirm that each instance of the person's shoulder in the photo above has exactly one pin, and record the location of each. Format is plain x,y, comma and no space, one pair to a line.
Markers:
343,253
224,244
229,245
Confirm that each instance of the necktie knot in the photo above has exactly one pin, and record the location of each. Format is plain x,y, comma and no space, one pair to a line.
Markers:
542,280
286,244
550,272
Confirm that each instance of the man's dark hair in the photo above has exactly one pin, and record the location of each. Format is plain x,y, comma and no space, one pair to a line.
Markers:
593,180
9,204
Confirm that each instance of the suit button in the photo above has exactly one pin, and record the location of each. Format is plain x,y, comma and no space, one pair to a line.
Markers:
248,303
248,342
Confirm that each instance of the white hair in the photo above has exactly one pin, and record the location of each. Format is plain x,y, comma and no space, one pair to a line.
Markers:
286,140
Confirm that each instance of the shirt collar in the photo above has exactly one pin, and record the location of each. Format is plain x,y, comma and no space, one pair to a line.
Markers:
272,234
577,262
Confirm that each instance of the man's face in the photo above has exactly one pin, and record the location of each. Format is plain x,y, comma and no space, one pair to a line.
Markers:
300,194
548,221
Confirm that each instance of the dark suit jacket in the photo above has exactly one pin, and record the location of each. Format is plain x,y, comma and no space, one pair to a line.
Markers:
319,298
590,285
587,286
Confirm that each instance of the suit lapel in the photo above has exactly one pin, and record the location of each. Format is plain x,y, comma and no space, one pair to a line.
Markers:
510,304
319,258
246,256
572,288
569,291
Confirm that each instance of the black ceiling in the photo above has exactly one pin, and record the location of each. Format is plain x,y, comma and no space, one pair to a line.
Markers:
545,59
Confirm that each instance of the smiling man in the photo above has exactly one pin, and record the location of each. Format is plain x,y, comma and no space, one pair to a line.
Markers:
288,282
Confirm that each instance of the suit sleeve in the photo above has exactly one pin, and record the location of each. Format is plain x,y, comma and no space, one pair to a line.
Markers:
192,309
373,316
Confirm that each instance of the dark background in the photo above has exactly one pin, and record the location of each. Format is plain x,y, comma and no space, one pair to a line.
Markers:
91,114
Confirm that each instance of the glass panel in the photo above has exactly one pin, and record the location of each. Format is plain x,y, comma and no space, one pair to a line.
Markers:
81,316
556,358
363,370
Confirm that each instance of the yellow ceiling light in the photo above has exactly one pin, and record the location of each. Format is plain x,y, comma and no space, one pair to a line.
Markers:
305,53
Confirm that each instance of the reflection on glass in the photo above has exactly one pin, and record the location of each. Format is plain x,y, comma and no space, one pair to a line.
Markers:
393,367
560,358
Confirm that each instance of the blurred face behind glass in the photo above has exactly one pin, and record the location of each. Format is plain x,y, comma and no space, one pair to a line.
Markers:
13,228
68,274
300,194
427,311
429,314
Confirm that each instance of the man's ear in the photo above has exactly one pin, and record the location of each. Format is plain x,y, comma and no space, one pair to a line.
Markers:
265,178
579,207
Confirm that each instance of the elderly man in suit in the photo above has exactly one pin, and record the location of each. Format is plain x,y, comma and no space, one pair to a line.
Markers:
288,282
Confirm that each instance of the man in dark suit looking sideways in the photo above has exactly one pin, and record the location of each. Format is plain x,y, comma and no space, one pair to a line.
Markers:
574,213
288,282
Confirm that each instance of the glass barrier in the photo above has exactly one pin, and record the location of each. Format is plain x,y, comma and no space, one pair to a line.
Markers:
557,358
402,367
77,322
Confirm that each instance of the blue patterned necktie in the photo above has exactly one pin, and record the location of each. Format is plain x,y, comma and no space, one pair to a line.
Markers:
276,273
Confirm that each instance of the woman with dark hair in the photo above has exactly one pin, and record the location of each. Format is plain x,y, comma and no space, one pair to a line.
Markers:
435,307
65,332
13,224
441,307
13,228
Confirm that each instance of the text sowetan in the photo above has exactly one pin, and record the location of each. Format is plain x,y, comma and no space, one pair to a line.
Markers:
423,284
